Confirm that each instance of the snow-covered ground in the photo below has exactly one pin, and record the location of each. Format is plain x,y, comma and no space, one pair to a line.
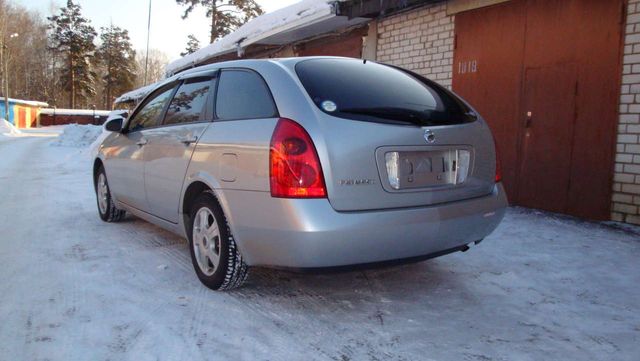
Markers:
7,129
542,287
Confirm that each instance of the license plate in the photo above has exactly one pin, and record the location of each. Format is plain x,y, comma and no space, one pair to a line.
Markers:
419,169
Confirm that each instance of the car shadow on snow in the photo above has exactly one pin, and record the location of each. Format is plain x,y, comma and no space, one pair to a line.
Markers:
384,284
379,283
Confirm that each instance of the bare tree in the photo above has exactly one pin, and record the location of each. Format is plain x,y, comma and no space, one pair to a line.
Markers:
156,67
23,35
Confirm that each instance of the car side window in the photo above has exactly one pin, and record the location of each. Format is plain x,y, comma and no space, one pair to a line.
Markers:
243,94
150,112
188,104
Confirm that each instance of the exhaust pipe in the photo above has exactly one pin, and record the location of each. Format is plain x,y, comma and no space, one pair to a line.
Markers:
466,247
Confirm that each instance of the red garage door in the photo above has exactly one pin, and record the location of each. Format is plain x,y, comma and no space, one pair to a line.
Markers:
545,75
21,117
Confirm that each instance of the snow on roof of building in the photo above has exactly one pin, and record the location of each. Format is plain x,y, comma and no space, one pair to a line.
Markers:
32,103
295,22
273,28
135,94
56,111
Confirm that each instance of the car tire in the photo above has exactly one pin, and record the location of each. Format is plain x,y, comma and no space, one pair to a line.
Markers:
215,257
106,207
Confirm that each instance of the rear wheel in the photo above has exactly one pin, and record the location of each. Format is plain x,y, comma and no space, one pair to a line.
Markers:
214,255
106,208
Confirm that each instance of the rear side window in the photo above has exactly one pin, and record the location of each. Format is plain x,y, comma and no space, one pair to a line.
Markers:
243,94
368,91
150,112
188,104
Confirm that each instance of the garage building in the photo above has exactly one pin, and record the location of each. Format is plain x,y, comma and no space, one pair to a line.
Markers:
557,81
21,113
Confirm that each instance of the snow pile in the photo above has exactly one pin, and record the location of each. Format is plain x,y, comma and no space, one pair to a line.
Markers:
79,136
8,129
302,13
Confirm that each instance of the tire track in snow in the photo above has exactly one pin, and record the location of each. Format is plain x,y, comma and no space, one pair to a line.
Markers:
199,317
317,311
155,239
41,322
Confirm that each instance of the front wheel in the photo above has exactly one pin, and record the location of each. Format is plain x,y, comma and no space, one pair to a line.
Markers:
106,208
214,254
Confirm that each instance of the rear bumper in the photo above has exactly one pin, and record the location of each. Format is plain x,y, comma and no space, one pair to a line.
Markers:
311,234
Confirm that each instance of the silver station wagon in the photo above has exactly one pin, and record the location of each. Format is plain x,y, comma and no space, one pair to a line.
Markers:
303,163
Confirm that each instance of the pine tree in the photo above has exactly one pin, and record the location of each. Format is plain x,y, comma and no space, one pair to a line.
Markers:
193,44
226,15
118,60
72,37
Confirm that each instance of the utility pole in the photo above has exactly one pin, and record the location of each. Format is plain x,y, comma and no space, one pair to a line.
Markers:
5,73
146,59
6,99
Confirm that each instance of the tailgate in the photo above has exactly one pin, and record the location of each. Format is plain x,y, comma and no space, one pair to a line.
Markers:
380,166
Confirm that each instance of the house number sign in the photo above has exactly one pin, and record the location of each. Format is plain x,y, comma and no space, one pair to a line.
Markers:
470,66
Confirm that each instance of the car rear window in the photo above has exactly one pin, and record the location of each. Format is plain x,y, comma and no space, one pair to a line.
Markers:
369,91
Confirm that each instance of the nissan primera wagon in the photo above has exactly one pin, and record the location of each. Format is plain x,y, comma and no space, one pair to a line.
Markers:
302,163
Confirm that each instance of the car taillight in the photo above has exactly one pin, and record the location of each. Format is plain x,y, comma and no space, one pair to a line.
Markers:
498,164
294,164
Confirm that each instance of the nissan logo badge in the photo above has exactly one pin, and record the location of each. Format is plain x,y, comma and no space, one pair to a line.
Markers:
429,136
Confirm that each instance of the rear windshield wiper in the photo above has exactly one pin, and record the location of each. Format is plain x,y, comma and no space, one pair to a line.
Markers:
398,114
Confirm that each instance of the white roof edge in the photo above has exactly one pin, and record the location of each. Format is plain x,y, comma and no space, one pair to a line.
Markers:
305,12
58,111
292,26
34,103
136,94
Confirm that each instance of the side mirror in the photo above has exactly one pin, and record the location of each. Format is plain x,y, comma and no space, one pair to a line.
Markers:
114,124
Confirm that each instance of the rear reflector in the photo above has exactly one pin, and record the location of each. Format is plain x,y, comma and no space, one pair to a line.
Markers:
498,164
295,170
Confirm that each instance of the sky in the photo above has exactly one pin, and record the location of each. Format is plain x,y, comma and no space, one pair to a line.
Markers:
168,30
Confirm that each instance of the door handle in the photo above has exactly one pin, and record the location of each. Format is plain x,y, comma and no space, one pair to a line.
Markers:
142,142
186,140
527,123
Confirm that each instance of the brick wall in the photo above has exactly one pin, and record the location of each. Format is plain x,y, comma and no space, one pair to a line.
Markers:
626,186
58,119
421,41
